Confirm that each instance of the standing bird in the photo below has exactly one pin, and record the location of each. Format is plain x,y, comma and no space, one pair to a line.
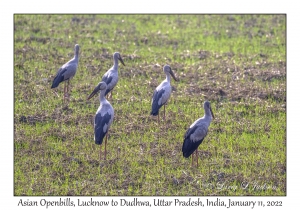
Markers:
162,93
104,116
196,133
111,76
66,72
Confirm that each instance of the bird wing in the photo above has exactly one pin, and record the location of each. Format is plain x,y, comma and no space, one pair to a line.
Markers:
71,68
194,137
103,120
198,131
111,80
66,72
156,102
166,95
107,79
59,77
160,97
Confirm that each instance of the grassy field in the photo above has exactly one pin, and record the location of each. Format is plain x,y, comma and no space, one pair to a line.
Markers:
237,62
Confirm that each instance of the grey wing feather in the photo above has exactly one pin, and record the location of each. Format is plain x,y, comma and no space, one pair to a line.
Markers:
107,80
71,70
59,77
66,72
101,126
111,79
200,132
193,138
155,101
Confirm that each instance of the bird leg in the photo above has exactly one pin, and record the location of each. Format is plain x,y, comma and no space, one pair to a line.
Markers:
64,92
100,152
164,112
67,93
105,146
158,118
68,87
118,152
111,94
197,156
193,154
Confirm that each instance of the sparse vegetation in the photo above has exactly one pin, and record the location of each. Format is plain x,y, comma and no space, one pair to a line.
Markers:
238,62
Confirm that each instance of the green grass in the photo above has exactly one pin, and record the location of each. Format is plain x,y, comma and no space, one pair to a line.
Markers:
238,62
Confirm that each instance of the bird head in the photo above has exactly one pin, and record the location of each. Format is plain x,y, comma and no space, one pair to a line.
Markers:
100,87
76,48
207,106
118,56
168,70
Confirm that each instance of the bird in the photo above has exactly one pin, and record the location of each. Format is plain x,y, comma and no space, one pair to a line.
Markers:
196,133
111,76
162,93
103,118
67,72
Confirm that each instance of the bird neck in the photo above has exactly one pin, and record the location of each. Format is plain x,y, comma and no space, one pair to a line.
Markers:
102,96
208,115
116,63
168,77
76,55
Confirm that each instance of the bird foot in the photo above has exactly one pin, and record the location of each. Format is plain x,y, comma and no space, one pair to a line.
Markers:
55,93
67,97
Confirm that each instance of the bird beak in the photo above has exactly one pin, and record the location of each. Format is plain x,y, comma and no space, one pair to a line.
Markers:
211,112
172,74
120,59
94,92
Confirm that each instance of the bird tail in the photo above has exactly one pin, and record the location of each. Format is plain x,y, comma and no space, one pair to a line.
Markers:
154,112
186,151
155,108
189,147
107,91
58,78
55,83
98,141
99,135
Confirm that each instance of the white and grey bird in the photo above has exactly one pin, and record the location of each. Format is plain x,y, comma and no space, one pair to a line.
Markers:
103,118
67,72
162,93
111,76
197,131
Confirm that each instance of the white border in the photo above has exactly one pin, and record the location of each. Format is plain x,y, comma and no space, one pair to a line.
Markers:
117,6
